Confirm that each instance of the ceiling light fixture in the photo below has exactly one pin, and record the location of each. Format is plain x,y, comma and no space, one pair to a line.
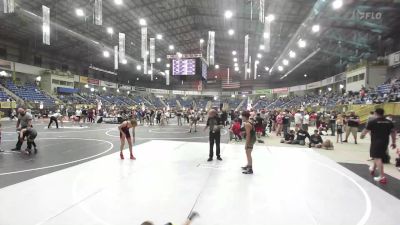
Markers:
201,41
167,65
266,35
110,30
292,54
236,69
216,66
228,14
158,59
179,54
79,12
142,22
236,65
302,43
270,18
124,61
285,62
266,68
262,47
159,36
234,52
280,68
315,28
171,47
337,4
235,59
118,2
138,67
106,54
231,32
259,55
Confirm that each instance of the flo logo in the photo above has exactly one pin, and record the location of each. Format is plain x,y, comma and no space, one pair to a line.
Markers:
368,15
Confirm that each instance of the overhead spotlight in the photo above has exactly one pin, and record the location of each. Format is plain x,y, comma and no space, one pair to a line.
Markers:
159,36
142,22
179,54
285,62
106,54
232,95
266,68
128,92
266,35
235,59
292,54
262,47
39,78
167,65
259,55
236,65
236,68
138,67
302,43
201,41
91,89
137,78
315,28
171,47
110,30
216,66
270,18
244,96
118,2
234,52
305,75
228,14
231,32
150,72
158,59
79,12
258,75
147,52
256,62
248,70
329,89
124,61
118,90
280,68
341,86
337,4
104,89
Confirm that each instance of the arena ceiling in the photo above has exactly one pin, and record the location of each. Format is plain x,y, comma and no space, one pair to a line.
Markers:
346,35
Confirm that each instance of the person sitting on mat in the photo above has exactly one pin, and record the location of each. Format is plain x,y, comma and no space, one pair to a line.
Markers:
301,137
30,134
315,140
289,137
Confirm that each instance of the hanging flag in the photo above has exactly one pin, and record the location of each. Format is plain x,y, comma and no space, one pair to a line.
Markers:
167,77
121,47
145,65
246,65
152,50
246,48
255,69
144,42
46,25
212,47
116,57
267,35
98,12
261,14
151,72
251,9
9,6
249,68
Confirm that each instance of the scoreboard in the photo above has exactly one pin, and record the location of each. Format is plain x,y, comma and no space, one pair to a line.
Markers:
184,67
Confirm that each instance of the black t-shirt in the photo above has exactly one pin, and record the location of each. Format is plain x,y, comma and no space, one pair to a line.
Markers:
259,121
333,118
214,124
286,120
339,127
316,139
302,135
351,122
84,112
289,137
380,129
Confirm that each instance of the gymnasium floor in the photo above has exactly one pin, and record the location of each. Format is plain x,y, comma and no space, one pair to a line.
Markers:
77,178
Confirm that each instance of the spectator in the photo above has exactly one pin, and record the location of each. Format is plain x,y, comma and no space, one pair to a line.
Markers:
316,140
301,137
353,122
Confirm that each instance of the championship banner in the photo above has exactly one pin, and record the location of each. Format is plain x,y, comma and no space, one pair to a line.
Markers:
246,48
255,69
145,65
121,49
152,50
249,68
9,6
280,90
98,12
246,65
116,57
93,81
261,14
46,25
167,77
267,35
144,42
151,72
211,36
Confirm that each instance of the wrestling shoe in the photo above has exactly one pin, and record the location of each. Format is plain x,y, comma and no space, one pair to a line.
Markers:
245,167
121,155
35,150
381,180
248,171
132,157
345,141
371,171
209,159
219,158
15,149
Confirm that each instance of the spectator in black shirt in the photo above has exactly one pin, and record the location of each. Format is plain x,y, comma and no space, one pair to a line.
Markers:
353,122
288,138
332,122
286,122
380,128
301,137
316,140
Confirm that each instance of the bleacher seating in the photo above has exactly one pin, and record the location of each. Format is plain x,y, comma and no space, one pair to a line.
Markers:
30,92
3,96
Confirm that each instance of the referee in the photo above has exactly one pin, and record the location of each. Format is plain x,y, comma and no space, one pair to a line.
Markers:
380,128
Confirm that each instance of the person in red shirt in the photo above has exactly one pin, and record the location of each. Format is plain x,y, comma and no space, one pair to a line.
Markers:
235,130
